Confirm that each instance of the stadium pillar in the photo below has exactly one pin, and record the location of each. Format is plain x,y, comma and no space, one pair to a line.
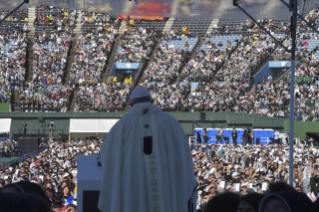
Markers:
293,29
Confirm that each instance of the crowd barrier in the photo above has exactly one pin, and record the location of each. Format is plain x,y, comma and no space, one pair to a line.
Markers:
21,157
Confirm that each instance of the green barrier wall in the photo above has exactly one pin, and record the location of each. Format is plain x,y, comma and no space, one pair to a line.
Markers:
4,107
188,121
302,128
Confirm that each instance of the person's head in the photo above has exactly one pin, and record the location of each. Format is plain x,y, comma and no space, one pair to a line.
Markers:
225,202
48,184
249,202
140,95
287,200
49,192
12,202
56,207
71,208
278,186
66,191
26,187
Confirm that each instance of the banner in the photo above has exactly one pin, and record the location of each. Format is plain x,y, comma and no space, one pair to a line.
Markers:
205,9
146,18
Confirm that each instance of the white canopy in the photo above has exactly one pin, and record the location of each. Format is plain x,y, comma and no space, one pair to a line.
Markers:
91,125
5,125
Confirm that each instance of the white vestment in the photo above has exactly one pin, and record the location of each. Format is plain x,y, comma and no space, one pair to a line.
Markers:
127,177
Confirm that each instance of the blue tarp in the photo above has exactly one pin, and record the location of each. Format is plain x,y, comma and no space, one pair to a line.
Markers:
264,135
4,138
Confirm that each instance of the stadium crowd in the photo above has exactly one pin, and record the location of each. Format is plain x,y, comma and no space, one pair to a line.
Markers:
13,49
103,97
217,77
163,76
135,45
224,172
58,17
253,171
39,97
51,175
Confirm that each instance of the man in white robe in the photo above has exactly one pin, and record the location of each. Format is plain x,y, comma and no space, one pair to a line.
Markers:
146,161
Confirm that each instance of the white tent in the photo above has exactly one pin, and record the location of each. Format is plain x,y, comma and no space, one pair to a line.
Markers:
91,126
5,125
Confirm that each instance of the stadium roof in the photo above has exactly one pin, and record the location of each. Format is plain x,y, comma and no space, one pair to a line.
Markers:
206,9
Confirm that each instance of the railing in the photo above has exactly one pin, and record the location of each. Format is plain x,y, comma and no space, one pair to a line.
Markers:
23,157
38,132
30,132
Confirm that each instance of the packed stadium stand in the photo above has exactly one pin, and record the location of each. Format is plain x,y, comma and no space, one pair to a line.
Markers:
187,64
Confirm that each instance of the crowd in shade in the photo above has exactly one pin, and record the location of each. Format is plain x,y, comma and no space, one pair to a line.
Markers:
52,43
9,148
13,47
37,97
253,175
103,97
49,178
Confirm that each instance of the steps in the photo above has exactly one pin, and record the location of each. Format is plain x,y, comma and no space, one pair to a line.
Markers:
14,102
122,27
212,25
168,25
226,58
149,61
72,52
110,61
74,99
31,32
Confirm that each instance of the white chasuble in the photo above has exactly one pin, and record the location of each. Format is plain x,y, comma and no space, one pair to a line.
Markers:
147,164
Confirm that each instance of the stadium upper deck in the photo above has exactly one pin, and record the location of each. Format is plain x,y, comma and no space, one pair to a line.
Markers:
189,64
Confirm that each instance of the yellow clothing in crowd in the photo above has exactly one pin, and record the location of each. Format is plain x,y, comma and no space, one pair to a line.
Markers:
114,79
128,81
131,22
